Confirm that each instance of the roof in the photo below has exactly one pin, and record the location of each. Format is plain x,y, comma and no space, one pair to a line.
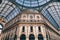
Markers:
54,10
9,9
31,3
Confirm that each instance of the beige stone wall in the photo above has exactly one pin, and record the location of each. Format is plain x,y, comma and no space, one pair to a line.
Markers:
53,35
27,30
9,33
15,26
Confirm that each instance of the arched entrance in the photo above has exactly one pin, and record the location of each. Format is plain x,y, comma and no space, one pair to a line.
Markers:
40,37
31,37
22,37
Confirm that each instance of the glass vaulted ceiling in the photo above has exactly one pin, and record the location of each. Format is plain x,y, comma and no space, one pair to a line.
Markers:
52,13
32,3
8,10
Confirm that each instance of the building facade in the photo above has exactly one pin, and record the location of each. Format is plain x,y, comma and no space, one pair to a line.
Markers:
29,25
29,20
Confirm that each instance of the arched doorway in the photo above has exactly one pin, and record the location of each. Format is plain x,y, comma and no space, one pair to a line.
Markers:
22,37
40,37
31,37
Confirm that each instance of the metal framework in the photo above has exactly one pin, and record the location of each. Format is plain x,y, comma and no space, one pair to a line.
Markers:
54,10
9,10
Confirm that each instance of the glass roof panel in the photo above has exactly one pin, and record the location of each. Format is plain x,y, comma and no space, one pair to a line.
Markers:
12,14
54,10
32,3
8,10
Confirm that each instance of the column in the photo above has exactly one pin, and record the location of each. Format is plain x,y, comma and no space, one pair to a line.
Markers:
43,32
18,38
27,32
36,38
19,29
27,38
36,32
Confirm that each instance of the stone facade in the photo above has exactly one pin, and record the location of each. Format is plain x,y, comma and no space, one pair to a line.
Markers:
30,24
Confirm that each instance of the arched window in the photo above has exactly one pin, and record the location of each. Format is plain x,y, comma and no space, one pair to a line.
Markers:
31,28
31,17
38,17
31,20
40,37
23,29
39,29
22,37
31,37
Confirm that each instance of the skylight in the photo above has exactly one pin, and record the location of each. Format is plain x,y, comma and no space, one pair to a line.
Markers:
32,3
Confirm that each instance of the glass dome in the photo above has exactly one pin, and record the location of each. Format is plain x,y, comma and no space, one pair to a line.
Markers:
31,3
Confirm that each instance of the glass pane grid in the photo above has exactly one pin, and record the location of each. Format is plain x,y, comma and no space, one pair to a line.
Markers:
54,10
32,3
